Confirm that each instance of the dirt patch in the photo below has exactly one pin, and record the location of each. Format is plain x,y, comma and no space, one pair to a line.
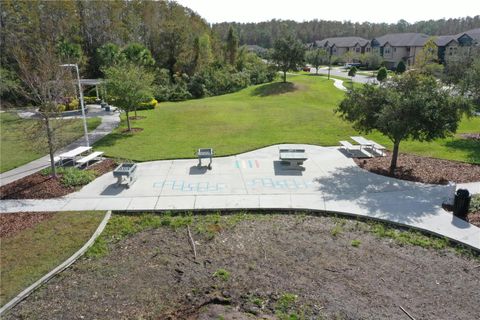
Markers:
273,265
12,223
277,88
132,130
38,186
137,117
423,169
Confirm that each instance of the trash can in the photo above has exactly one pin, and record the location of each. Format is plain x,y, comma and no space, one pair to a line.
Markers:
461,203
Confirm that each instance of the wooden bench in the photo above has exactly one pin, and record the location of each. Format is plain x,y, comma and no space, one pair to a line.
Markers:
88,158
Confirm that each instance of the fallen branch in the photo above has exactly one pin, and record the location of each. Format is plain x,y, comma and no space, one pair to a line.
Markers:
408,314
192,242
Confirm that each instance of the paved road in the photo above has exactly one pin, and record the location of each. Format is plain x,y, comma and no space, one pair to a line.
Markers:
341,72
257,180
110,121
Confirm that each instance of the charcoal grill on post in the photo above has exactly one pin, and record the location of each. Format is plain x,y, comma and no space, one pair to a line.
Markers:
205,153
125,174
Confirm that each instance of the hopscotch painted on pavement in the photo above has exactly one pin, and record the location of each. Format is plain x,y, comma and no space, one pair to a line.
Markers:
245,164
183,186
285,184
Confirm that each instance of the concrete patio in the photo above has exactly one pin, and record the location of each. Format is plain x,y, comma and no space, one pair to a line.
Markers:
257,180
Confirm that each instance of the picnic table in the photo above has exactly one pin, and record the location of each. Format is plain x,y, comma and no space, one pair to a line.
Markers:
72,154
294,158
205,153
365,143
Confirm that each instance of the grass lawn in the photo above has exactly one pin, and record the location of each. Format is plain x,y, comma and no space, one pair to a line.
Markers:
31,253
297,112
17,149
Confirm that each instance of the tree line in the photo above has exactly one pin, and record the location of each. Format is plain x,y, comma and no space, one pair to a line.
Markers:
188,58
265,33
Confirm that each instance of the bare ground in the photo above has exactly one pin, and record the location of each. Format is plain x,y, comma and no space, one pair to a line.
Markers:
12,223
277,265
38,186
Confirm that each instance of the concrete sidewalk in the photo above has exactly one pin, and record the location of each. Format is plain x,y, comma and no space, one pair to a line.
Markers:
110,121
257,180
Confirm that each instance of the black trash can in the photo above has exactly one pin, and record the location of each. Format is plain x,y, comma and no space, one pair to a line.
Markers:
461,203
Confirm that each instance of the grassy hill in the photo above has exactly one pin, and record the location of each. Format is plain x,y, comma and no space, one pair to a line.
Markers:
300,111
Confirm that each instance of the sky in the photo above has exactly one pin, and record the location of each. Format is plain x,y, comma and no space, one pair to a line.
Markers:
354,10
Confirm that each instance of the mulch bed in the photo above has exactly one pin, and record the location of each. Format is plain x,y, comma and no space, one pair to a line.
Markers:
133,130
38,186
423,169
12,223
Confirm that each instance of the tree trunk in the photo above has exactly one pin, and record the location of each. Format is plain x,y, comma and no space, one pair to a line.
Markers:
316,70
128,122
284,76
135,112
393,164
51,148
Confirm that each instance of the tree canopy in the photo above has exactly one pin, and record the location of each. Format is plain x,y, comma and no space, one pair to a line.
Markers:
288,54
129,85
413,106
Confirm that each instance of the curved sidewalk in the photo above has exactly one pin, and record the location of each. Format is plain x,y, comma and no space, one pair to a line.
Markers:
257,180
109,122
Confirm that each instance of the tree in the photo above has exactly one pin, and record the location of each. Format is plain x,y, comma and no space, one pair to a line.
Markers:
129,85
413,106
316,58
138,54
288,54
426,60
401,67
232,46
352,72
110,55
46,84
70,52
372,60
382,74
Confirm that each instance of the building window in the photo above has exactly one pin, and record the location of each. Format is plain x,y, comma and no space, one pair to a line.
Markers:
387,50
394,49
367,49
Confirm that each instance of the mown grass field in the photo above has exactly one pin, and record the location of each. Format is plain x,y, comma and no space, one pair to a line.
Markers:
31,253
299,112
16,148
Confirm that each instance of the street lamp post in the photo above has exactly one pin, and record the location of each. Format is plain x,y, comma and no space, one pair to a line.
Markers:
81,101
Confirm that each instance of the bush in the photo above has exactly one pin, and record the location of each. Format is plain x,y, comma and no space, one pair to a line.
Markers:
401,67
61,108
90,100
73,105
72,177
149,105
382,74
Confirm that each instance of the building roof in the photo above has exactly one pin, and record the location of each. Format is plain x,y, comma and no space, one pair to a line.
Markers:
444,40
474,34
342,42
403,39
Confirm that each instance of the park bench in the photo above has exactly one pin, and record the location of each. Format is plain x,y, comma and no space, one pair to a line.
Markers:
85,160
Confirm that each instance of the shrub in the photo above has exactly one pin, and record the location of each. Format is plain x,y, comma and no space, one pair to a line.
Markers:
73,104
90,100
401,67
61,108
72,177
356,243
382,74
149,105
